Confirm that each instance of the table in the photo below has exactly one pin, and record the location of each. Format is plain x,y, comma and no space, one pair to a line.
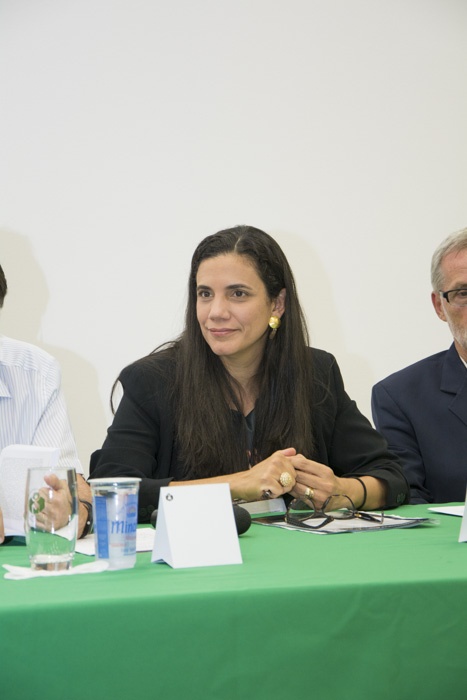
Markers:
379,614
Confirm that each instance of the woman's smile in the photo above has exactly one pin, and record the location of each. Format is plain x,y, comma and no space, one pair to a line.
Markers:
220,332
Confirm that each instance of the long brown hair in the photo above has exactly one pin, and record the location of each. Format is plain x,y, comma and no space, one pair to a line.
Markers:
211,437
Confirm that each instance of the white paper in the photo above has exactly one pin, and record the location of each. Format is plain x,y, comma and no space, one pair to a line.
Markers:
449,510
196,527
19,573
267,505
144,542
15,461
350,525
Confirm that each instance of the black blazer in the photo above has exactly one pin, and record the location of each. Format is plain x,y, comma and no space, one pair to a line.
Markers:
141,440
422,412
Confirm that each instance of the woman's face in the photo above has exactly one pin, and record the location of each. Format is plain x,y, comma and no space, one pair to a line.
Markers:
233,309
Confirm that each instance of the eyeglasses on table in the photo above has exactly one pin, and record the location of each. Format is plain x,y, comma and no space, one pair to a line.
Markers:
301,512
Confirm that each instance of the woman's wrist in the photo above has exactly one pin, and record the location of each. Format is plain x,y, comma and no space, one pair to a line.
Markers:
361,503
235,481
237,485
366,492
349,487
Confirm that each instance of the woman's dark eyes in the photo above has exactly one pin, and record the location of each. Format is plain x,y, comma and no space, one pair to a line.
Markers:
237,294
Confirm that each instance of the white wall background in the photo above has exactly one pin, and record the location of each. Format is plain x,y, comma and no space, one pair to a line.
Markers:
131,129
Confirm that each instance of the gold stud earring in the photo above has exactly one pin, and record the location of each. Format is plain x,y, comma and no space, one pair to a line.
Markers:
274,323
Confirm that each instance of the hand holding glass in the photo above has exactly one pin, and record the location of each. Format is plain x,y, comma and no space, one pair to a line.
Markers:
51,517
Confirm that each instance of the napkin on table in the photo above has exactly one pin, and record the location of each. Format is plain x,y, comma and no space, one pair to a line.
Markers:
18,573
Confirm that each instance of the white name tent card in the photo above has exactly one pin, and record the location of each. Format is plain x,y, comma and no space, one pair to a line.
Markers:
463,530
196,527
15,461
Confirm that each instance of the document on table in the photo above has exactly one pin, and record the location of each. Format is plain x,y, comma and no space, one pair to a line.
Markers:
144,542
338,526
265,506
15,461
449,510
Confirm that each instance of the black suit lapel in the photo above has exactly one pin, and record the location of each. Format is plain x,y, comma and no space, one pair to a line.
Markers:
454,381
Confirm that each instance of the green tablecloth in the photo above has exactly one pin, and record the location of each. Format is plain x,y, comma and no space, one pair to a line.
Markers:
380,614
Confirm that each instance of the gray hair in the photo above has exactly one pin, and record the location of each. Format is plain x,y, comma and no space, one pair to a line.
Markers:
452,244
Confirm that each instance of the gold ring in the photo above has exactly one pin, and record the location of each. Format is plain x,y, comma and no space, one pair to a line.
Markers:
285,480
309,493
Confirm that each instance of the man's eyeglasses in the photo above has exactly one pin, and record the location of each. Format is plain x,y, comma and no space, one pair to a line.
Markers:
455,297
302,511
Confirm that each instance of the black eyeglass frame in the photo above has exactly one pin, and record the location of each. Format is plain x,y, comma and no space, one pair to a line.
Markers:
320,513
446,294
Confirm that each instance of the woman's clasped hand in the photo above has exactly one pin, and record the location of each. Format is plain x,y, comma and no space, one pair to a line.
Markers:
308,479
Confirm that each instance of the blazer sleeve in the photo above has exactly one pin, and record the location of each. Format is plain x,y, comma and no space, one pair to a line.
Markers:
139,441
391,420
354,447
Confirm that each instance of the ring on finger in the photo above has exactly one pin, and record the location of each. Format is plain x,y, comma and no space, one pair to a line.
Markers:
309,492
285,480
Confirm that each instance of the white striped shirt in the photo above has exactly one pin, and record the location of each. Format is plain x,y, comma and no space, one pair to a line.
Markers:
32,404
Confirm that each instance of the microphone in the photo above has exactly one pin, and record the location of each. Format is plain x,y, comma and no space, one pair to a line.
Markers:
153,519
242,519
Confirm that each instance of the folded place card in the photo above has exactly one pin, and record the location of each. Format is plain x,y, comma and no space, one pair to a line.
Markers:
196,527
463,530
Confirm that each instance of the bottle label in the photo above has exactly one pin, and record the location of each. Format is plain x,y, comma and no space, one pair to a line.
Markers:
116,523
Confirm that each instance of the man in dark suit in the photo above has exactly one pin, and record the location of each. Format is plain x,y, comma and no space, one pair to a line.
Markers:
422,409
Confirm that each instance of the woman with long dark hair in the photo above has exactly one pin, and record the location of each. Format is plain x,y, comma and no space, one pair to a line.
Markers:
240,398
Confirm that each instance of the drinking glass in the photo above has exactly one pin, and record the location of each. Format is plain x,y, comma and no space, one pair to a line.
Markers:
51,517
115,509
